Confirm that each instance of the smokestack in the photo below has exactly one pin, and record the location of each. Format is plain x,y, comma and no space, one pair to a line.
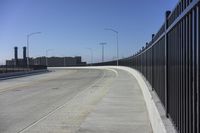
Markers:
24,53
24,56
16,55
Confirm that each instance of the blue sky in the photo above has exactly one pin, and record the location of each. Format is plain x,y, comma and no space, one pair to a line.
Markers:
70,26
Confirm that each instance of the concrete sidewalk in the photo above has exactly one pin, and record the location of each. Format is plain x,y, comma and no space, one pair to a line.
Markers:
122,110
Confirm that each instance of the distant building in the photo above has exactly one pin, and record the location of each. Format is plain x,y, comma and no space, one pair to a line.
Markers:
78,59
49,61
17,61
59,61
40,61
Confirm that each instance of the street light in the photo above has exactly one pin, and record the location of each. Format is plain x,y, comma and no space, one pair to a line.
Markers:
103,44
64,60
47,51
117,42
28,36
91,52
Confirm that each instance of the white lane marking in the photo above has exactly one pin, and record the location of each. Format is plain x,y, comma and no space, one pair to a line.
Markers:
53,111
113,70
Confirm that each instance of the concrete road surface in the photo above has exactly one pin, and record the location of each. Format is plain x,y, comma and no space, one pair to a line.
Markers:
77,100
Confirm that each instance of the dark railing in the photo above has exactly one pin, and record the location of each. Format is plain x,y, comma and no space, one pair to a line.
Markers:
12,69
170,62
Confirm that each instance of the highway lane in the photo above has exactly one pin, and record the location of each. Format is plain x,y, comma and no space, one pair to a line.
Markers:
25,100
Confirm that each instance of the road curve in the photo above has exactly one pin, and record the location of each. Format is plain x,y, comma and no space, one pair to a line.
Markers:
70,100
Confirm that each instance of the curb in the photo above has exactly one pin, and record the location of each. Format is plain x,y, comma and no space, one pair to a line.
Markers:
159,122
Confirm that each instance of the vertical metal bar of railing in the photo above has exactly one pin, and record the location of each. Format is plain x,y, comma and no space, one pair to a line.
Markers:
181,75
152,54
179,68
190,73
186,72
198,75
166,62
193,71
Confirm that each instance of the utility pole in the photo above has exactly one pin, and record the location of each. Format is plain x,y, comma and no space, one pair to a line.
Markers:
103,44
117,39
47,51
28,49
91,53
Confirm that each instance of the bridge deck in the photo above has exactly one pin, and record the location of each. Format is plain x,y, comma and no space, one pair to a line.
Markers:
68,101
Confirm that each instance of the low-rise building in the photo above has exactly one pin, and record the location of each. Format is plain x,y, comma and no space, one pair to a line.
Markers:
59,61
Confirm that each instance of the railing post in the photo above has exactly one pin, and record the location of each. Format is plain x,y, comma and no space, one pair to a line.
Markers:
166,62
197,54
152,36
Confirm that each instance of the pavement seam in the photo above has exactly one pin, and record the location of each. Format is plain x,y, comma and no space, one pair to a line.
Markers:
56,109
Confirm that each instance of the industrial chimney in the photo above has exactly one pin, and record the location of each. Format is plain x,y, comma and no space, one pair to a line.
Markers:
24,56
16,55
24,53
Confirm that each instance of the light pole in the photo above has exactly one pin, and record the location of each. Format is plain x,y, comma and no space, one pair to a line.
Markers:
28,50
117,34
64,60
103,44
47,51
91,52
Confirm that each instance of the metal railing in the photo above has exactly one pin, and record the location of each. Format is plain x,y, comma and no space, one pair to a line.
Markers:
170,62
13,69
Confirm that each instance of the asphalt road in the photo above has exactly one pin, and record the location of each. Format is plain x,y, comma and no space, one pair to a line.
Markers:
25,100
63,100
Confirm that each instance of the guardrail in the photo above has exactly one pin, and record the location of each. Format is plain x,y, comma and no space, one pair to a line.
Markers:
4,76
170,62
13,69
